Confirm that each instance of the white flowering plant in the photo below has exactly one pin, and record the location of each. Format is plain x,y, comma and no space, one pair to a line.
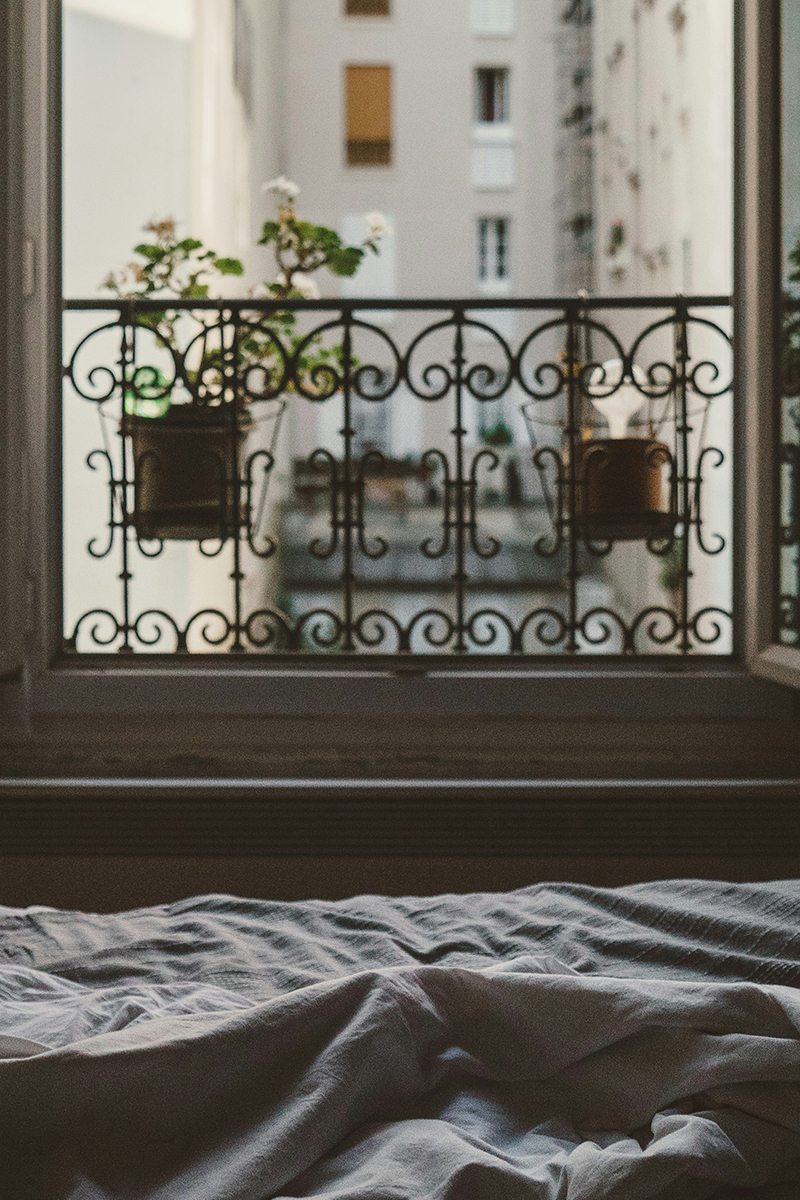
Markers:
302,248
185,269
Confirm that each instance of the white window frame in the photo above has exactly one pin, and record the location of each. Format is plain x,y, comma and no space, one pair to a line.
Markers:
492,281
561,692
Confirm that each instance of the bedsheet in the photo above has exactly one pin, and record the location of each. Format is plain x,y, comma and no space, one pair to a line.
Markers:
559,1042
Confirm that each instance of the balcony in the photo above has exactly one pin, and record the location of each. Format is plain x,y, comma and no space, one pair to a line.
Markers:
287,479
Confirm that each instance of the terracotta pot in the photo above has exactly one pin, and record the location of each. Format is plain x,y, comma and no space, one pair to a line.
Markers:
623,489
185,470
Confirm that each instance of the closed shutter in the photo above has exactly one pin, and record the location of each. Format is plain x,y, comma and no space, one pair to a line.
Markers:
367,8
369,116
492,16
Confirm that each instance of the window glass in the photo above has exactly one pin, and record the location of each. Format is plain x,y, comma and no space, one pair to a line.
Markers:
357,472
491,95
493,265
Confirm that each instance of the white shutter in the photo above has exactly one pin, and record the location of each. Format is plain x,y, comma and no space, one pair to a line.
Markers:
492,17
493,166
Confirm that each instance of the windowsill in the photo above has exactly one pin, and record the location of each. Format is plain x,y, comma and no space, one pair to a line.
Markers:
501,132
594,690
492,288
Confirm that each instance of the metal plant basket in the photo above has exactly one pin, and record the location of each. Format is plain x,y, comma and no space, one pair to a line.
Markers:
186,468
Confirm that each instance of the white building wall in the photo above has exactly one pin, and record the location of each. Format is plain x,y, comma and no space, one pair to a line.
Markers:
430,190
154,125
433,52
663,75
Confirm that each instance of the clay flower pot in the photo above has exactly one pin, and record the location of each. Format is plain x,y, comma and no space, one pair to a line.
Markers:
623,489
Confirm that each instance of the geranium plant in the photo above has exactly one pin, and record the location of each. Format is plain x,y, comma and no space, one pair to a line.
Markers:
168,265
302,248
185,269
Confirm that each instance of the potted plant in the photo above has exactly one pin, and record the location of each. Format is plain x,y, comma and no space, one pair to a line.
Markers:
186,455
623,488
183,454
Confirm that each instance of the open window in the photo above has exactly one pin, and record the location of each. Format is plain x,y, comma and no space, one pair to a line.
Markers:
769,265
527,683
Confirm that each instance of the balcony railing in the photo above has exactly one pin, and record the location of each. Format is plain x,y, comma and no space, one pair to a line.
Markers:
397,477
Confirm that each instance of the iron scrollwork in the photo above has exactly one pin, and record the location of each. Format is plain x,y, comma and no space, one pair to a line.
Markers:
469,541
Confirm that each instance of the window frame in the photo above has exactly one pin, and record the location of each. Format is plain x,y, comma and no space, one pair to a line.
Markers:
758,295
12,509
563,691
494,249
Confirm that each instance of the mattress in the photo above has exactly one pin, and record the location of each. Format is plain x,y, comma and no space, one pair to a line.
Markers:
559,1042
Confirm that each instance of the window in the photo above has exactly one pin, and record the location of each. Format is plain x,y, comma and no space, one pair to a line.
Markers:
493,256
492,17
367,8
35,367
491,95
493,158
369,116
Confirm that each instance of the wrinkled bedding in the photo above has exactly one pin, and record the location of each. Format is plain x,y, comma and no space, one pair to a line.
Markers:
559,1042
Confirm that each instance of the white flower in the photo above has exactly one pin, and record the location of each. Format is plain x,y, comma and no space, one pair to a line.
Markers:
302,283
378,225
282,187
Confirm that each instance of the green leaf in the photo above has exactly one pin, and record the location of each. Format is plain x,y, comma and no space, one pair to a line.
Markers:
269,233
152,319
189,244
149,251
229,266
346,261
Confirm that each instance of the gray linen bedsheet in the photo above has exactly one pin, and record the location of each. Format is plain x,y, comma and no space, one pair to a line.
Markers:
559,1042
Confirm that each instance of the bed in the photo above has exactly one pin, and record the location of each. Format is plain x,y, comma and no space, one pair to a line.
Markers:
559,1042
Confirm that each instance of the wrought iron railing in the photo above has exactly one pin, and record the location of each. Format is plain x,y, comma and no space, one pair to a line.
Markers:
386,477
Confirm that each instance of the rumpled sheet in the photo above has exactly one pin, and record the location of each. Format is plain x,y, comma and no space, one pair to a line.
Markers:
559,1043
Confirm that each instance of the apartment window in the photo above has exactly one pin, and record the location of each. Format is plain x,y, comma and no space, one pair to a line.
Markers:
493,260
492,17
369,116
367,8
491,95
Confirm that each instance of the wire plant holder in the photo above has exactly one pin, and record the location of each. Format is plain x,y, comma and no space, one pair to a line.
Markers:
454,361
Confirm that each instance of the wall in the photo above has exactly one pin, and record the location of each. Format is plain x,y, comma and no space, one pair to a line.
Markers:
663,143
